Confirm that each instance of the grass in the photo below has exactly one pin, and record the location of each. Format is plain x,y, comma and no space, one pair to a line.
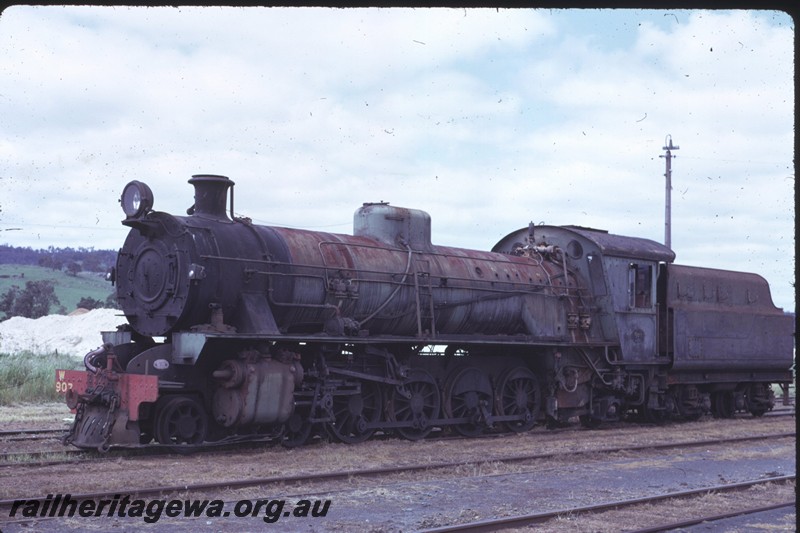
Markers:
26,415
25,377
69,289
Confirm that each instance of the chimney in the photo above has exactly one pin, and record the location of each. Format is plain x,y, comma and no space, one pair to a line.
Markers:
210,196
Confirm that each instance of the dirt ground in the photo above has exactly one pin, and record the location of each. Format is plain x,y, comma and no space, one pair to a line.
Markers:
419,490
119,471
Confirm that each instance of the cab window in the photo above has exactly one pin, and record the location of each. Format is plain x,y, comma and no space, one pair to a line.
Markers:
640,285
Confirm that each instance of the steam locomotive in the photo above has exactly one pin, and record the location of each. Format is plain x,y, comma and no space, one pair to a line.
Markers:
242,331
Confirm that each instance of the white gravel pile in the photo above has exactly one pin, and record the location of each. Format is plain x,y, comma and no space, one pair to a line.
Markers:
74,335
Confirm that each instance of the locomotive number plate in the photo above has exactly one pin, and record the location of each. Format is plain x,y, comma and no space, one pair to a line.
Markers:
67,380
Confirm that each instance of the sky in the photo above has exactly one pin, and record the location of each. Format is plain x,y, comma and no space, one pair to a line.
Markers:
487,119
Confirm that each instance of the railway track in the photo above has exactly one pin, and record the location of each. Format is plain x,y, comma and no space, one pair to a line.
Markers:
55,434
393,470
780,409
439,487
46,458
710,519
62,455
525,520
31,434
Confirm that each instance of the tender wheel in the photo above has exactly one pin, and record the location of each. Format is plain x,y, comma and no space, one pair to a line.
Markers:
723,404
518,394
653,416
659,413
760,399
468,394
687,404
354,411
181,420
416,401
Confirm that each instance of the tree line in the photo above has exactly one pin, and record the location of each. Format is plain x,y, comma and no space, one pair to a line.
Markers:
70,260
35,300
37,297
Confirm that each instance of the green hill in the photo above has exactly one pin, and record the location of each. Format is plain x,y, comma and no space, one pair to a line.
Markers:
69,289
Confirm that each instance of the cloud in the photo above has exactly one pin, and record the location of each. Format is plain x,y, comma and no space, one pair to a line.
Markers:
487,119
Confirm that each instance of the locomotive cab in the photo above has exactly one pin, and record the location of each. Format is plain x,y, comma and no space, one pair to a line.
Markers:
621,272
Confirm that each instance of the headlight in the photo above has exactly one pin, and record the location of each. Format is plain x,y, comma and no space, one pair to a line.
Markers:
137,199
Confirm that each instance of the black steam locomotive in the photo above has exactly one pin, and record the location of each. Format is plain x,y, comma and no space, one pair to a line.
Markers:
241,331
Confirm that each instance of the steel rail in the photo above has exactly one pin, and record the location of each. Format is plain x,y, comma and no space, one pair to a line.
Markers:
387,470
495,524
714,518
9,459
18,458
28,434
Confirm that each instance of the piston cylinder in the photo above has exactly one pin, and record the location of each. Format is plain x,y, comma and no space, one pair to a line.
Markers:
254,392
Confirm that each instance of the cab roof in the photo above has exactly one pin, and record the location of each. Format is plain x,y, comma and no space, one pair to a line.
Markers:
608,243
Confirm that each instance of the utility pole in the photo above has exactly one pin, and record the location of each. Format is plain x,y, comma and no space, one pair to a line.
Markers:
668,202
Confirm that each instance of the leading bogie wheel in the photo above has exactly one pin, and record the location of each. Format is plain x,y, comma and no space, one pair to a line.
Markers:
181,420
